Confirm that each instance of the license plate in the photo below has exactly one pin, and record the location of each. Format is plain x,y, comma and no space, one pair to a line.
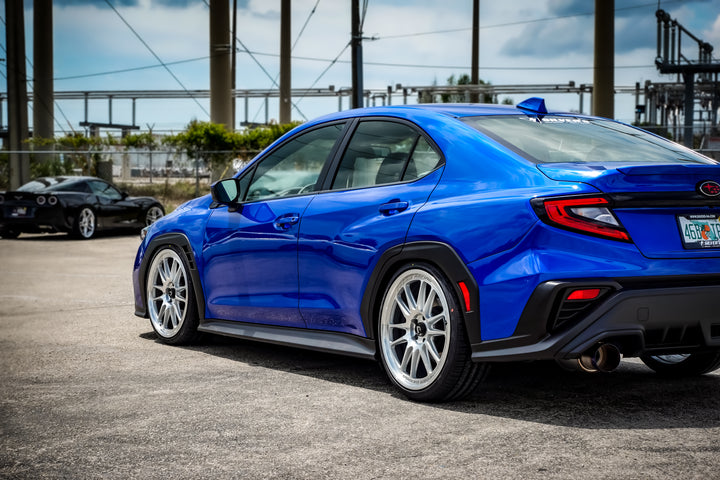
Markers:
699,231
19,212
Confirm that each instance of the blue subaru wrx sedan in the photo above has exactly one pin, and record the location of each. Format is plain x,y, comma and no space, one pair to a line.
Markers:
442,238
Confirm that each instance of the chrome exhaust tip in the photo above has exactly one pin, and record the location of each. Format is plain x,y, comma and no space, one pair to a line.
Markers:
601,358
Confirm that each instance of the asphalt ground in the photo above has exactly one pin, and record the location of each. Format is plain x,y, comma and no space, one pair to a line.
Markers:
86,391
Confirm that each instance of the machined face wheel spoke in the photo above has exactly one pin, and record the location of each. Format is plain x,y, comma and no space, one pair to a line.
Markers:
415,329
167,293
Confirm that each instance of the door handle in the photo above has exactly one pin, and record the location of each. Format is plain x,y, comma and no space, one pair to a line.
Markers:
392,208
284,222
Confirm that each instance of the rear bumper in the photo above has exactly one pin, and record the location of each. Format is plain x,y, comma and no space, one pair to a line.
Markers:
657,317
42,220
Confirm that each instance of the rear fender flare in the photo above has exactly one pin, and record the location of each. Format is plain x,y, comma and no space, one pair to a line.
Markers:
443,257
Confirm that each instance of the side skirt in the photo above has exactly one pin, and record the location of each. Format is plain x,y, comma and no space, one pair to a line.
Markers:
331,342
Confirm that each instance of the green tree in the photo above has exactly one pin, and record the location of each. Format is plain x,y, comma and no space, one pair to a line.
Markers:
459,96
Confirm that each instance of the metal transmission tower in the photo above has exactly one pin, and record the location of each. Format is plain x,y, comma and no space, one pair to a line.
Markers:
671,58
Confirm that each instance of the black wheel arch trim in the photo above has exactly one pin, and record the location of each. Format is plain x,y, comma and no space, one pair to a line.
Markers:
181,241
437,253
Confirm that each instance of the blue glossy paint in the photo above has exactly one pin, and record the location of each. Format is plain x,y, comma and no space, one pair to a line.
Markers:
305,261
250,262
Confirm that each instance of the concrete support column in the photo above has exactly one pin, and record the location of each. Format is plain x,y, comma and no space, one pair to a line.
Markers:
603,98
285,66
43,103
220,81
17,92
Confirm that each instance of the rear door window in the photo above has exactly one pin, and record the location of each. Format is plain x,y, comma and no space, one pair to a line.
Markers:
383,152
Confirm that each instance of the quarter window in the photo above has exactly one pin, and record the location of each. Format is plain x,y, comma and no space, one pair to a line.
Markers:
295,167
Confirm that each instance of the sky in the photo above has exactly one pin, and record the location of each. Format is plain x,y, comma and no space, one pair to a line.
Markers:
115,45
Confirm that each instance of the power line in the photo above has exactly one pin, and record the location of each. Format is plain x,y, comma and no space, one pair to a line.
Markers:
30,82
297,39
132,69
324,71
156,56
512,24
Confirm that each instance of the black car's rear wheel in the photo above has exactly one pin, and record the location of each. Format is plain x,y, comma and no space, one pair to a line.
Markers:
683,365
421,337
85,223
170,298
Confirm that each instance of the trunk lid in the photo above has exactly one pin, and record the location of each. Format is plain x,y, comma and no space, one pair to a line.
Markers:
661,206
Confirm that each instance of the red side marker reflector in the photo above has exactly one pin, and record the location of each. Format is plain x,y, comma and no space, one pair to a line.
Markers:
584,294
466,295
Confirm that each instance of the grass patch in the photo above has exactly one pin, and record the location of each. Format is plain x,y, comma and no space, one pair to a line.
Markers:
170,194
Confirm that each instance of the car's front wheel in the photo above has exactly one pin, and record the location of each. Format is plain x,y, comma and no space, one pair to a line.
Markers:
170,298
85,223
683,365
421,337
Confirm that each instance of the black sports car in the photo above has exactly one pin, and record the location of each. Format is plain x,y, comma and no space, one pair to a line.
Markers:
77,205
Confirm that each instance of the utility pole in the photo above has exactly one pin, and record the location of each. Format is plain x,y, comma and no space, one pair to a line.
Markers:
233,63
17,92
475,65
357,60
285,68
43,104
220,85
603,95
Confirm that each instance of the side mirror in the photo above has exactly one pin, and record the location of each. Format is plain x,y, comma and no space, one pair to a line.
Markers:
226,192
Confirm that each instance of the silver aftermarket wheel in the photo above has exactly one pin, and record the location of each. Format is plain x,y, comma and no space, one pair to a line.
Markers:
169,296
415,329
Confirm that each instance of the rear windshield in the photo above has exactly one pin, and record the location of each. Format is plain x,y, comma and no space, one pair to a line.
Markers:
566,139
47,184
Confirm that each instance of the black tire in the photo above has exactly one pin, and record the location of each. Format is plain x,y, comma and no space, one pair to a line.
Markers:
687,365
85,224
170,297
9,234
421,337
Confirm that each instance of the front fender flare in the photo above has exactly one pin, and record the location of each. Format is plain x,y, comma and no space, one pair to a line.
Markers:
181,241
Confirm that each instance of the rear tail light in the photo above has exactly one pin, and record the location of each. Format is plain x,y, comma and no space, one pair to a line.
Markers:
52,200
40,200
589,215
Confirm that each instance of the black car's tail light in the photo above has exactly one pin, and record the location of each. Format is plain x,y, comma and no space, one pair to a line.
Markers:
40,200
588,215
52,200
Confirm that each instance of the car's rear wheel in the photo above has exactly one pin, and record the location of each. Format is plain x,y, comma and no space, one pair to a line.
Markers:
422,340
85,223
683,365
153,214
170,298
